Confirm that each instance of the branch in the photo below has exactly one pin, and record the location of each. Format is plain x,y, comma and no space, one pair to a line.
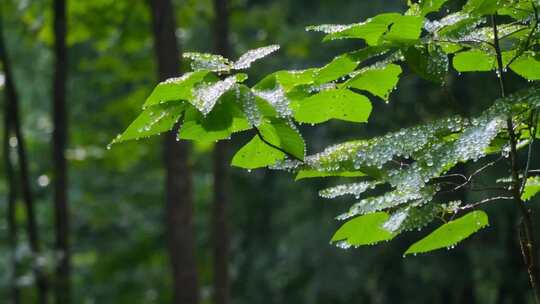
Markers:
528,240
532,133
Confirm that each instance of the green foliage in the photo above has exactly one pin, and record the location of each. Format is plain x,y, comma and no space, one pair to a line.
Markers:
379,81
408,168
451,233
256,154
153,120
363,230
532,187
339,104
474,60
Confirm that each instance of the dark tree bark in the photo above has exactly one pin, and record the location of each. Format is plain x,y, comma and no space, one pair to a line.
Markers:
11,206
179,196
31,225
220,166
59,142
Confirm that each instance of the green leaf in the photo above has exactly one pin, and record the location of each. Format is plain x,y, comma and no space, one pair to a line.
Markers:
256,154
405,30
207,95
226,118
370,30
430,6
153,120
291,79
481,7
527,66
428,62
339,104
532,187
251,56
474,60
449,234
205,61
340,66
176,88
379,81
280,134
364,230
311,173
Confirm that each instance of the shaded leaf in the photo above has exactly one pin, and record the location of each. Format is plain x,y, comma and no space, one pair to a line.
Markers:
430,63
226,118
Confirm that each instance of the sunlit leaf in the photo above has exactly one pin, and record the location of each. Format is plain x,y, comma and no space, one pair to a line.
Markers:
370,30
340,66
451,233
339,104
527,66
256,154
176,88
482,7
532,187
205,61
281,134
302,174
364,230
251,56
153,120
473,60
405,30
379,81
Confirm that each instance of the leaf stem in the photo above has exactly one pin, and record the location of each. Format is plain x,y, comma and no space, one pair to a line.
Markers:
259,134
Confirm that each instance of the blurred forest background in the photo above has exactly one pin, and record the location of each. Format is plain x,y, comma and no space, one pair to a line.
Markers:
112,243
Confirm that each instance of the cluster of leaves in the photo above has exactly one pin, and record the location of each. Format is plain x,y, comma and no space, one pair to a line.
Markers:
211,103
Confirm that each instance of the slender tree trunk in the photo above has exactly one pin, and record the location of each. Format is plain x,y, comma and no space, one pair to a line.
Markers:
527,239
220,231
59,141
179,196
11,206
31,227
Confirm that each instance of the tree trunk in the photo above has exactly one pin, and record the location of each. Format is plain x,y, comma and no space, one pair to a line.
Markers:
31,227
59,141
220,166
11,207
179,196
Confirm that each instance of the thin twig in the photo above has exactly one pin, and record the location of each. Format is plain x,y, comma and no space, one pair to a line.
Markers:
484,201
259,134
532,134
